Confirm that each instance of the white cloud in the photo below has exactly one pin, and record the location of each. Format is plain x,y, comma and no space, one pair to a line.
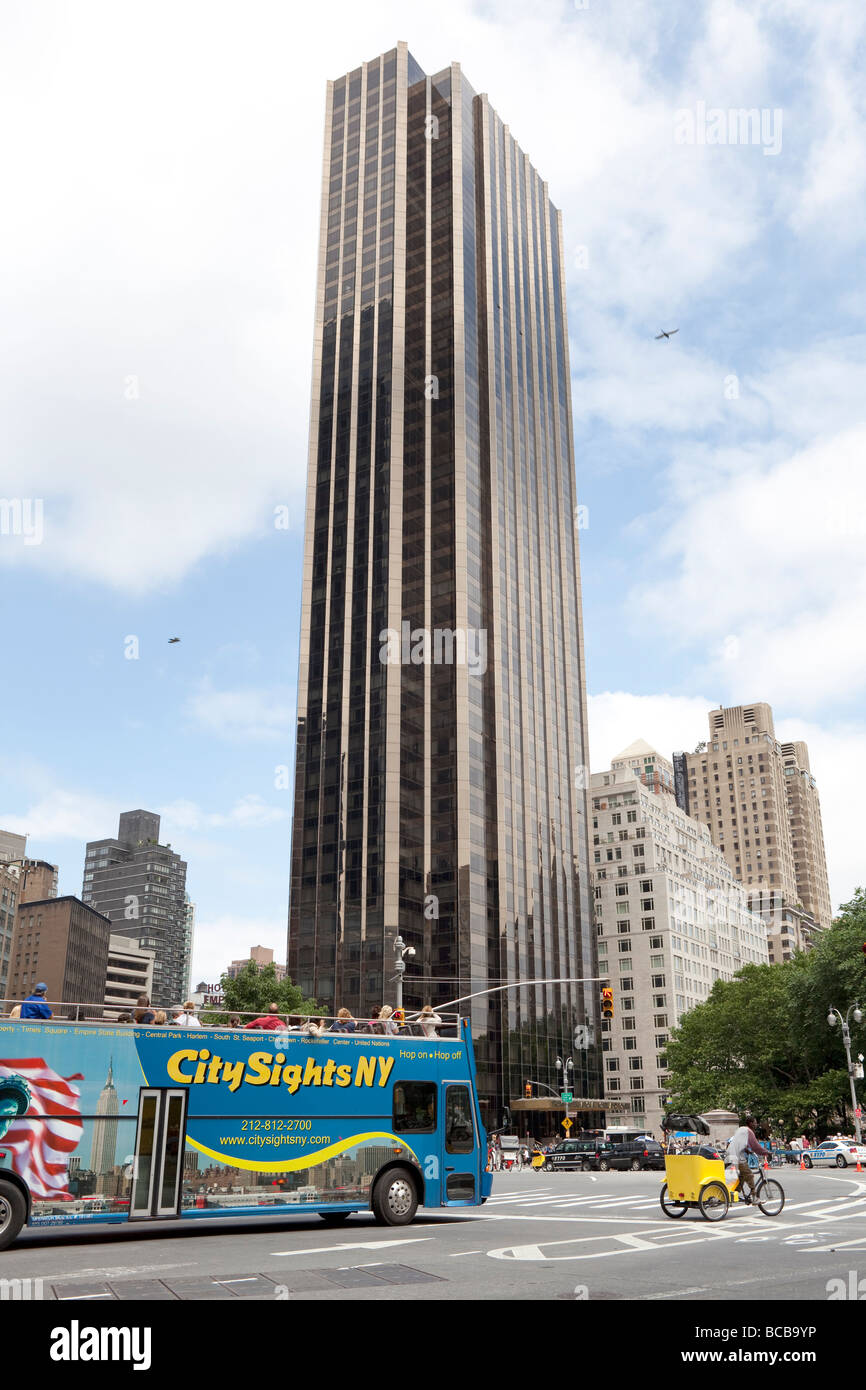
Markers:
774,560
671,723
58,814
249,714
248,813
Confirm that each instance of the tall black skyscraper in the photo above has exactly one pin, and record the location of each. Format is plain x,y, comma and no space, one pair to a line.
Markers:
441,759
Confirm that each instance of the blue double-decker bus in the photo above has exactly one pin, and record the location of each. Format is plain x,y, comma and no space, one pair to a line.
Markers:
107,1122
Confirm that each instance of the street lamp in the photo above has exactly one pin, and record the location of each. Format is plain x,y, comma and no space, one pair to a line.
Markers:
565,1067
401,950
832,1017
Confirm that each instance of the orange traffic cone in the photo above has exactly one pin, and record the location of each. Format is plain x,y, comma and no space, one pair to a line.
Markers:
859,1169
802,1164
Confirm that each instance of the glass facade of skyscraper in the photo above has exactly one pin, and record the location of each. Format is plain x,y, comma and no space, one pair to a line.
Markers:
441,758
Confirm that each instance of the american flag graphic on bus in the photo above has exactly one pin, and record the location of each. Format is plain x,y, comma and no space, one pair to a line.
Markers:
40,1152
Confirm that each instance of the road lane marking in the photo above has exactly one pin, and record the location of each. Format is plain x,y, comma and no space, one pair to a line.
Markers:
743,1229
359,1245
80,1297
456,1254
839,1245
117,1271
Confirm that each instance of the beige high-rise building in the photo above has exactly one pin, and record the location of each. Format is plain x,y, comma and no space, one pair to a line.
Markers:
807,834
760,802
261,956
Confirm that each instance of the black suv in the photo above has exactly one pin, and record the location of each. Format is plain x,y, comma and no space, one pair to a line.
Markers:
579,1155
638,1155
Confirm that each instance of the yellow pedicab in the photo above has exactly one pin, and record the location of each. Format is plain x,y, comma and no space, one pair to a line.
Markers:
697,1177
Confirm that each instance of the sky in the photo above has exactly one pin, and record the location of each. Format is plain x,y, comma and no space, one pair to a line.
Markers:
157,266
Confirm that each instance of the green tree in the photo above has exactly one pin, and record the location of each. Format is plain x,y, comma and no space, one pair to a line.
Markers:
761,1042
254,989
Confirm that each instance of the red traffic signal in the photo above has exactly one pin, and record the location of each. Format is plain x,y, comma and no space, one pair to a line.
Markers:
527,1090
607,1003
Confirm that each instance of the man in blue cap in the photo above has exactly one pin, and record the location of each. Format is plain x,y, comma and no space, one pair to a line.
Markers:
34,1005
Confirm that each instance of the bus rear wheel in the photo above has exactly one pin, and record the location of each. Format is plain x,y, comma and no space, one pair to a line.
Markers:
13,1213
395,1198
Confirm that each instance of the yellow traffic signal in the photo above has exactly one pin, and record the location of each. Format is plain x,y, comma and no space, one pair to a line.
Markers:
607,1003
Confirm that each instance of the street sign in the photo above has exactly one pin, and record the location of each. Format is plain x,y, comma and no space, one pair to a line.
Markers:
566,1096
566,1124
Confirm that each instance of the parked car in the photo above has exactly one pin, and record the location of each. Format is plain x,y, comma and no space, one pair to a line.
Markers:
835,1152
638,1156
579,1155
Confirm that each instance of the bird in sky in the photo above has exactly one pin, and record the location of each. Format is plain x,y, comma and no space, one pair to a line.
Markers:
173,639
663,334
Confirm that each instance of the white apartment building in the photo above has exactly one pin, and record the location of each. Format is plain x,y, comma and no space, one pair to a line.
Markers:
670,917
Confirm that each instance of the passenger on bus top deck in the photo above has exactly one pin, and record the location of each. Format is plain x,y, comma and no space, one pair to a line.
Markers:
270,1021
184,1017
429,1021
344,1022
34,1005
386,1017
143,1012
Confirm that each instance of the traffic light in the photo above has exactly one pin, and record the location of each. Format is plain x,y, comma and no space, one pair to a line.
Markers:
607,1003
527,1090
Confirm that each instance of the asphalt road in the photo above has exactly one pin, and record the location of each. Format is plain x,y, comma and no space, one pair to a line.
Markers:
541,1236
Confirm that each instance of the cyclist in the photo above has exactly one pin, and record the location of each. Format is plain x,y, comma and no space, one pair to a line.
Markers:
741,1142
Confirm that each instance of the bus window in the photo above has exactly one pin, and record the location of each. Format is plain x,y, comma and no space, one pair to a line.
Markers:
414,1107
459,1135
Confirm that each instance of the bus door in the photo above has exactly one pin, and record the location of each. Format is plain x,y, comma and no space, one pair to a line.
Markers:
459,1145
158,1167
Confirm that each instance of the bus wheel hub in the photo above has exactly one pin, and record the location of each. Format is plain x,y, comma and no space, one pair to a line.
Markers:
399,1197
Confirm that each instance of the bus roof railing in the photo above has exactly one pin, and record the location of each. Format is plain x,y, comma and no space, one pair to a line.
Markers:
442,1024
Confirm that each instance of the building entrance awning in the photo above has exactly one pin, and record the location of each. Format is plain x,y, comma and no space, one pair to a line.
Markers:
579,1105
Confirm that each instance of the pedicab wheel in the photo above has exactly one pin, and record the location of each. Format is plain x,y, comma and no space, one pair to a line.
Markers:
714,1201
771,1197
669,1206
